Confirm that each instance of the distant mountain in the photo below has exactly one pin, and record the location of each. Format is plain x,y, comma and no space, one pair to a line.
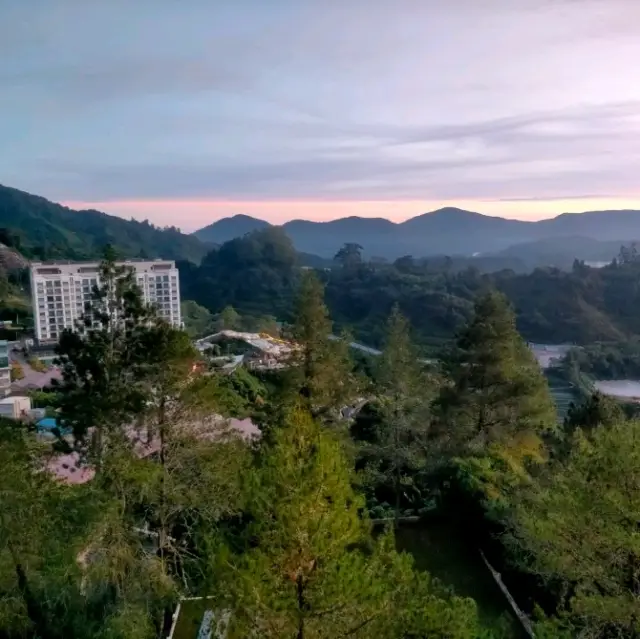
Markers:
49,230
450,231
229,228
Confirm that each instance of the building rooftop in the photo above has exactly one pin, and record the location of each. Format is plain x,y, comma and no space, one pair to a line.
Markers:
70,262
260,341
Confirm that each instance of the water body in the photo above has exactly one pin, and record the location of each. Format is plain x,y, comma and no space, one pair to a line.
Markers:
548,356
621,388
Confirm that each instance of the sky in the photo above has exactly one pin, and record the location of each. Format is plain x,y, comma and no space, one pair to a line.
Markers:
186,112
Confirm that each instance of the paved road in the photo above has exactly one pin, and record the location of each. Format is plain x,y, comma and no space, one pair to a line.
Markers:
374,351
31,379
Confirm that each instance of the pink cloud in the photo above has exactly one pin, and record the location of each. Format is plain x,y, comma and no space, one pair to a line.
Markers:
190,215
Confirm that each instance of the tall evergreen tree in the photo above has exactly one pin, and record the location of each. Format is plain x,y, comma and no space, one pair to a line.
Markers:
577,528
396,450
104,357
498,407
322,372
194,476
310,567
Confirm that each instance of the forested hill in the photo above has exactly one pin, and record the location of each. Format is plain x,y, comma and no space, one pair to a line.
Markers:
452,231
257,274
47,230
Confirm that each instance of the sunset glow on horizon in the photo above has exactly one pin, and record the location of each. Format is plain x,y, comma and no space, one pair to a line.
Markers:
190,215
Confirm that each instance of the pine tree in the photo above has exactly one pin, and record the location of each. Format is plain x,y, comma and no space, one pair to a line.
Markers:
576,526
498,407
322,372
25,522
195,474
105,357
396,450
309,567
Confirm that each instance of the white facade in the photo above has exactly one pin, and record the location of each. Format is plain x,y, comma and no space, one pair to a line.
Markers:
15,407
61,290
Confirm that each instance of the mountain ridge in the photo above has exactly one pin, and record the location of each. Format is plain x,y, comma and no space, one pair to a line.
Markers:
448,230
48,230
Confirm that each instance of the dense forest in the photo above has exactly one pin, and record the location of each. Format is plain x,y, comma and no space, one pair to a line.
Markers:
283,532
258,273
40,229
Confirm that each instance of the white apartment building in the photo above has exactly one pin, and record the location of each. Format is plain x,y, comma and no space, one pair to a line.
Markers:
61,290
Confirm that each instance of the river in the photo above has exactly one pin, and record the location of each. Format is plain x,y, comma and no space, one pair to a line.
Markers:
626,389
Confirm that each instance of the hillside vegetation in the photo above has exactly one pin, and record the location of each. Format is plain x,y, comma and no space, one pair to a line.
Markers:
257,275
46,230
277,534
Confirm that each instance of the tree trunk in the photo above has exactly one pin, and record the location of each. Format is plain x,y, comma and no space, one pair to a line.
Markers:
34,612
301,606
397,469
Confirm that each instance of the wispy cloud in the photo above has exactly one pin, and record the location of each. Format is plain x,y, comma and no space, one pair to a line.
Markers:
514,102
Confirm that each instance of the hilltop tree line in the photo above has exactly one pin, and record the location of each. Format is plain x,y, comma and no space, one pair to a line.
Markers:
43,230
258,275
278,531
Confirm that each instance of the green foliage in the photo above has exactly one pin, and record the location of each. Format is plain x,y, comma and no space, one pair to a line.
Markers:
579,527
5,287
43,528
310,567
276,531
37,364
615,360
43,399
322,371
228,319
16,372
247,390
596,410
198,321
256,274
497,408
394,443
104,360
50,231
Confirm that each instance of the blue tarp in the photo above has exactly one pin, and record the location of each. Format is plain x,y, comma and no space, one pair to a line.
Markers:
48,424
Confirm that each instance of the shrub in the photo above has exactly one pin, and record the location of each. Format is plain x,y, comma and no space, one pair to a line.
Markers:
16,372
37,364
